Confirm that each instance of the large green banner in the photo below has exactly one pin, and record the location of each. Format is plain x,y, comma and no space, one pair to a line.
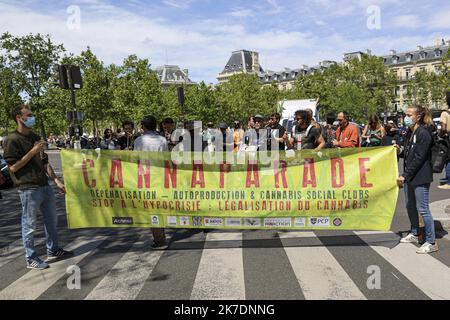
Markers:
343,189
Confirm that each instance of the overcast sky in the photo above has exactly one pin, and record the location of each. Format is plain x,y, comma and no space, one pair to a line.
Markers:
200,35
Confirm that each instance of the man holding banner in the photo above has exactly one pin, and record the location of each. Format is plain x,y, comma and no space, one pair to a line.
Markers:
153,142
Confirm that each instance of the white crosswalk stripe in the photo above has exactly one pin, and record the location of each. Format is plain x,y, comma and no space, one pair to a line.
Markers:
426,272
35,283
14,250
127,278
320,276
220,274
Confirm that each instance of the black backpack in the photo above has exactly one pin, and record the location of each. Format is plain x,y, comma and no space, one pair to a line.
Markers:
440,154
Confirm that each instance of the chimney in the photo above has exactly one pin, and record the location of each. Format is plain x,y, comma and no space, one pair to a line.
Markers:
369,52
438,42
255,62
186,72
393,52
419,48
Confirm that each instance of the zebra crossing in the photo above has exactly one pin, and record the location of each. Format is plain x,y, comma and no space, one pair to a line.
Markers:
224,265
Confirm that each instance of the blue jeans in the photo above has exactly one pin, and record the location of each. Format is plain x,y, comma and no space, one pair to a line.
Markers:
42,198
417,202
447,172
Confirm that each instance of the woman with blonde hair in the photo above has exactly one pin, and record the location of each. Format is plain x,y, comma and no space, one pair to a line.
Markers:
418,176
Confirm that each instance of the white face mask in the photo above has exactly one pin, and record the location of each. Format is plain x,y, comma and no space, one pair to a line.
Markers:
409,122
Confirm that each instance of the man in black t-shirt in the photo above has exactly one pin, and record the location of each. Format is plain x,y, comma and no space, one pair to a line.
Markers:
306,135
30,171
278,132
126,142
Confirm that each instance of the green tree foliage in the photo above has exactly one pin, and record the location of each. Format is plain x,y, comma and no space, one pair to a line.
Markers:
32,58
360,87
136,91
132,90
243,96
9,96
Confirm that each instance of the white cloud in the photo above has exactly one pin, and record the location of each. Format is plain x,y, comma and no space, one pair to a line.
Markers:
205,44
407,21
242,13
180,4
441,19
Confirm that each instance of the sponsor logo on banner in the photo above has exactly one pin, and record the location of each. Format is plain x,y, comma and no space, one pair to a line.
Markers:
213,222
337,222
300,222
122,220
197,221
184,221
277,222
252,222
155,220
172,221
230,222
319,222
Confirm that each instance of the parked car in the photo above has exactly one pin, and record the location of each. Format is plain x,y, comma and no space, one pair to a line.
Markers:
5,178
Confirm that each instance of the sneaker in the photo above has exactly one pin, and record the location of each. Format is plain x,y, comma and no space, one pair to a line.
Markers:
410,238
427,248
159,245
444,187
60,254
37,264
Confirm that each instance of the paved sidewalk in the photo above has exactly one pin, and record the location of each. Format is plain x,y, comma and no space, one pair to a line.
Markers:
441,212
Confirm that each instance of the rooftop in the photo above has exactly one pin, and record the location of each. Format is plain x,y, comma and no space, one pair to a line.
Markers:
171,74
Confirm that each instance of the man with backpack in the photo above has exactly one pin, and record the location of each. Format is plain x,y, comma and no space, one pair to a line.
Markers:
306,135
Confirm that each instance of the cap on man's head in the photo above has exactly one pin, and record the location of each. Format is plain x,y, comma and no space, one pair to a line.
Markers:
258,116
223,125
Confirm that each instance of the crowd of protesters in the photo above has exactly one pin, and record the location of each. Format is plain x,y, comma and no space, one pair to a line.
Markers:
414,138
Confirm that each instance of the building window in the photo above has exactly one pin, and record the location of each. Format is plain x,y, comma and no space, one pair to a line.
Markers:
408,73
437,69
408,57
438,53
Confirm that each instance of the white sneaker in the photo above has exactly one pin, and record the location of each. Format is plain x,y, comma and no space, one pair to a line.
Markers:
427,248
410,238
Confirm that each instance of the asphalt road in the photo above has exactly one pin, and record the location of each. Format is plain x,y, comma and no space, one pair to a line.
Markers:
257,265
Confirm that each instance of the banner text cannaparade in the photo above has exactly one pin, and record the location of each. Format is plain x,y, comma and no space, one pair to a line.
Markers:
252,174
